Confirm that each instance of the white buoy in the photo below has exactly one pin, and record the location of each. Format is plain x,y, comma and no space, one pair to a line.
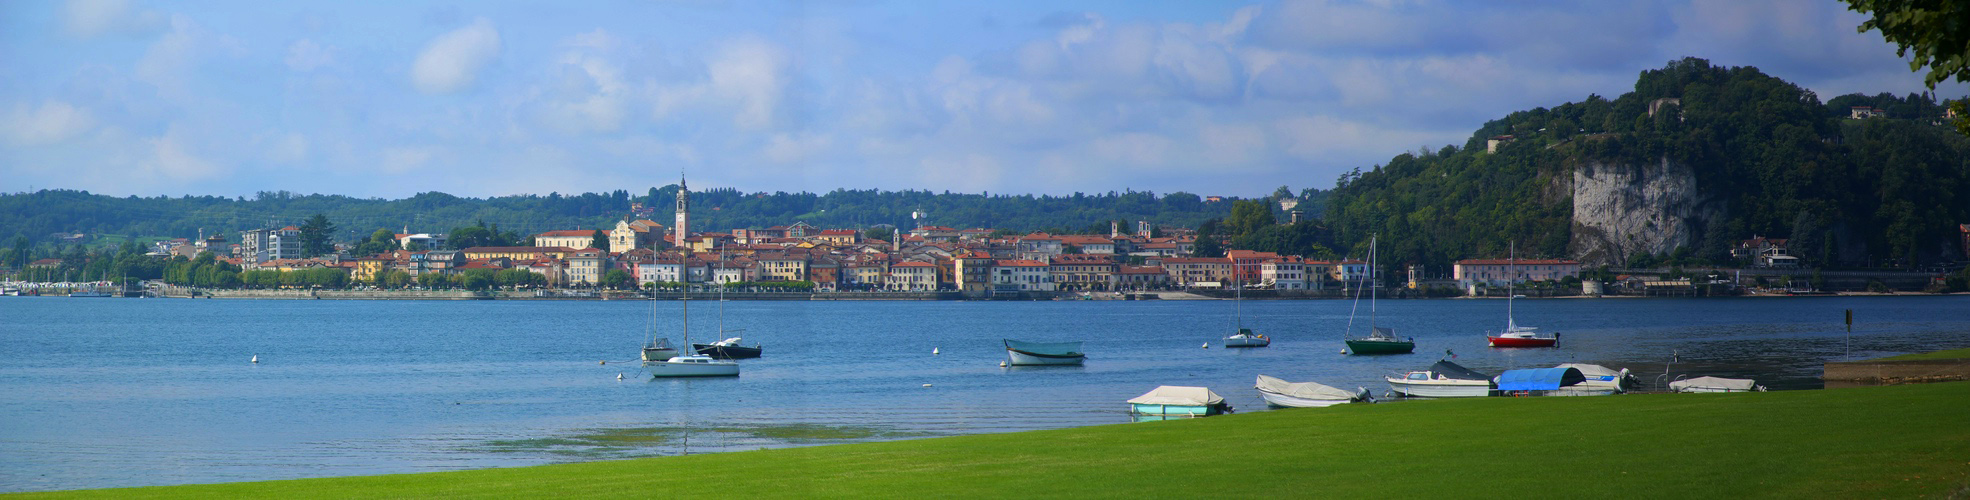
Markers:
256,358
1207,345
604,362
933,351
1002,364
1344,351
618,375
926,385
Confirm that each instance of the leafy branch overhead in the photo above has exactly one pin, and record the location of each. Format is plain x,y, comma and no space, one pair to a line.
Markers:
1938,31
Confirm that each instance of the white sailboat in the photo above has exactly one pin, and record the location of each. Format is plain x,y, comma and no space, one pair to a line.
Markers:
1242,337
693,365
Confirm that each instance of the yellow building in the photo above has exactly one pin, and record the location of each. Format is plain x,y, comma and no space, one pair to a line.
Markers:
518,253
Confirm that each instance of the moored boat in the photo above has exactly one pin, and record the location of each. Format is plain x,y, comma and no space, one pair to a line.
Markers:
1442,380
693,365
659,350
728,349
1380,340
1245,338
1515,335
1282,394
1020,353
1716,384
1179,401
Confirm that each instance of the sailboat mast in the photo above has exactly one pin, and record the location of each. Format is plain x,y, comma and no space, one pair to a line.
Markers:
1371,284
1237,296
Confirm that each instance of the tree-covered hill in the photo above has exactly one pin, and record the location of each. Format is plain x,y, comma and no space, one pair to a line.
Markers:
1769,159
39,215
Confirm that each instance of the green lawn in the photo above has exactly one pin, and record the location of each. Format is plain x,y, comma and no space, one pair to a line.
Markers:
1877,442
1949,354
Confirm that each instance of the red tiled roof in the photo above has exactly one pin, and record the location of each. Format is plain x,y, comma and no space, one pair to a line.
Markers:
568,232
1020,263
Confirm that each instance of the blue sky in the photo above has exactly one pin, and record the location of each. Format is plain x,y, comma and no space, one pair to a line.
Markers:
389,99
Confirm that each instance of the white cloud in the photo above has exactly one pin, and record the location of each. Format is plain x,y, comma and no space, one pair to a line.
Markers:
91,18
289,149
747,77
170,160
452,61
51,122
305,55
791,148
403,160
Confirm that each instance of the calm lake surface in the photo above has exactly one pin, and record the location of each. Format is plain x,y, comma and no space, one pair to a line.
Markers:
129,392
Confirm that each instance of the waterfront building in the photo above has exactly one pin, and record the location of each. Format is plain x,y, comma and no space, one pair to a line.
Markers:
1471,273
1021,275
634,234
571,238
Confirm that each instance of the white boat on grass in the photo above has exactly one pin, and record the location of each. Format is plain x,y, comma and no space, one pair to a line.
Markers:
1716,384
1179,401
1020,353
1600,380
1283,394
1443,380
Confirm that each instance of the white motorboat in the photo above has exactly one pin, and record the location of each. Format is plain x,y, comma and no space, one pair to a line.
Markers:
1443,380
1600,380
1282,394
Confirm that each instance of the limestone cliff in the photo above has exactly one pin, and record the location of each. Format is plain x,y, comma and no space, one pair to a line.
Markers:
1623,210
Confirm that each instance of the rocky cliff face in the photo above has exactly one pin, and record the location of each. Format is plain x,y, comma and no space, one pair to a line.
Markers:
1623,210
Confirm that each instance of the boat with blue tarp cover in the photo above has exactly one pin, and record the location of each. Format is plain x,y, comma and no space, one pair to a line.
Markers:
1539,379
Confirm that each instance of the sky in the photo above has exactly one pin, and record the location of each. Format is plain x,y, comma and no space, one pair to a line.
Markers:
493,98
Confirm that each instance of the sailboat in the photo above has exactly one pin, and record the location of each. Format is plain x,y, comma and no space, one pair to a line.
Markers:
727,348
1515,335
694,364
1243,337
1380,340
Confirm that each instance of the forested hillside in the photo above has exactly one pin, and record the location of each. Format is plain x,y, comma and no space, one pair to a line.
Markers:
1768,157
38,216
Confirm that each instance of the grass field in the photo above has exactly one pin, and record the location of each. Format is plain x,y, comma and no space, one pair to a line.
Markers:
1876,442
1949,354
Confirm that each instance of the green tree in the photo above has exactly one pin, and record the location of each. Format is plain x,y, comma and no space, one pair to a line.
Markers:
600,240
1207,241
617,279
315,234
1938,33
878,234
1247,216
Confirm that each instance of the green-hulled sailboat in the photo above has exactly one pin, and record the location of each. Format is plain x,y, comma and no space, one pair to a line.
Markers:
1380,340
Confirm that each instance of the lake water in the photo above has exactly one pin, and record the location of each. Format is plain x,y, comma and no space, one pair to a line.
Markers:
129,392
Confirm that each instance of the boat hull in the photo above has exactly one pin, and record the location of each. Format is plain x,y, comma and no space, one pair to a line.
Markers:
1246,341
1277,400
1361,346
727,352
1023,358
1522,341
671,369
1440,388
658,353
1156,410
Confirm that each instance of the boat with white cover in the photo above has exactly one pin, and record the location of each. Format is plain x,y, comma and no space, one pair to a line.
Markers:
1716,384
1442,380
1282,394
1179,401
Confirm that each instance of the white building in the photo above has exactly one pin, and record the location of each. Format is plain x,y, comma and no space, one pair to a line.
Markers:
912,276
1286,273
661,271
1022,276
